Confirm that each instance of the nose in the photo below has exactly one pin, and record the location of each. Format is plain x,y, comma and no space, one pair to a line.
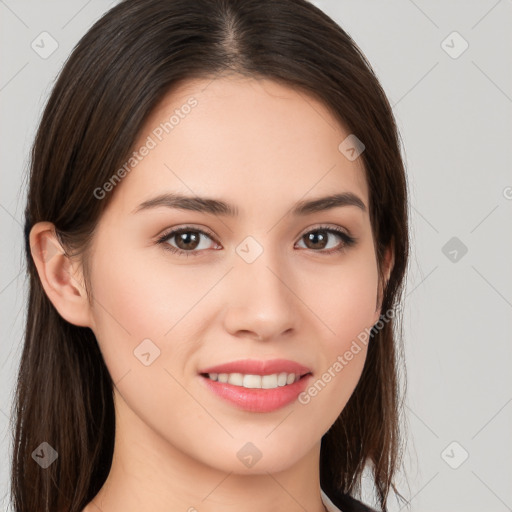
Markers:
261,303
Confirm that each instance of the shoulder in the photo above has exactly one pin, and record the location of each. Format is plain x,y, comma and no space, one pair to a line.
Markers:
344,503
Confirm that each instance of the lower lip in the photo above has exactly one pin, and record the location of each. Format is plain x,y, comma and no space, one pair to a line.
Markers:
258,400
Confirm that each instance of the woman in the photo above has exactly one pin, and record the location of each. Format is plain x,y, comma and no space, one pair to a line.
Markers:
216,237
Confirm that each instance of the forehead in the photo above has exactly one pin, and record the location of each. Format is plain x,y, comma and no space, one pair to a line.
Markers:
252,141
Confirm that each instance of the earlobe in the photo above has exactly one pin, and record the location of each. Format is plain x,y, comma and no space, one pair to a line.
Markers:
59,275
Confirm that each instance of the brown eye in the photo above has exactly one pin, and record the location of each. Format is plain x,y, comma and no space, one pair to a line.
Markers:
319,239
316,239
187,241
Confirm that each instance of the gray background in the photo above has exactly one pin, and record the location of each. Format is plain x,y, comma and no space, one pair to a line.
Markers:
454,114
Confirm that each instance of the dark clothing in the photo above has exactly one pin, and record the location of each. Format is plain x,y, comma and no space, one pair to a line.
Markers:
347,503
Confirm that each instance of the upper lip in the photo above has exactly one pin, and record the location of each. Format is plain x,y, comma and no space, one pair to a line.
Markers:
259,367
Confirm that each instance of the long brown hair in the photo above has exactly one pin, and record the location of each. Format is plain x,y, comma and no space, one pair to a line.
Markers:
115,76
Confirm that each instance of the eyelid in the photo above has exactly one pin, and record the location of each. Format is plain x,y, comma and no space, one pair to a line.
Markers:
326,227
185,227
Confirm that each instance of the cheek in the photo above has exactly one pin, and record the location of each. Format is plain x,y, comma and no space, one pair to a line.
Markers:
345,302
141,295
138,298
144,321
344,299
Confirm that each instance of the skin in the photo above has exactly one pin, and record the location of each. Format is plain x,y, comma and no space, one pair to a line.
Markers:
262,147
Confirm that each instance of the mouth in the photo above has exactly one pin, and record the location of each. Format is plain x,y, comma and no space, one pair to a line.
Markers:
257,386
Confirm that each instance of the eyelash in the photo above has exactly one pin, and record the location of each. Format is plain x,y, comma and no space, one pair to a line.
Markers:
348,241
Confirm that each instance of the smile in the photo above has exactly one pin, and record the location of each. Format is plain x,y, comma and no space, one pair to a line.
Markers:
248,381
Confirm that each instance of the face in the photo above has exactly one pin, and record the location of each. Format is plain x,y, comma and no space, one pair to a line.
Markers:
178,292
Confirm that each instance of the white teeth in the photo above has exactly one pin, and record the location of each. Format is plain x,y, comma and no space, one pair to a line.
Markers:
236,379
269,381
252,381
256,381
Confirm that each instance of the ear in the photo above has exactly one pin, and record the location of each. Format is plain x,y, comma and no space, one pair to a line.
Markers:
387,266
61,278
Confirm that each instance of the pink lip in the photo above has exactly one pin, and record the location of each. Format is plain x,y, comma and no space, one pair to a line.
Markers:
258,400
258,367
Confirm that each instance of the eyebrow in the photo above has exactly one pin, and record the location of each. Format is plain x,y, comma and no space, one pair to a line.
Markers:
219,207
